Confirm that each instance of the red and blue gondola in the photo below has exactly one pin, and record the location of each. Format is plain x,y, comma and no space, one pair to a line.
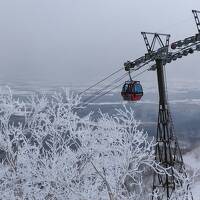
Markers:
132,91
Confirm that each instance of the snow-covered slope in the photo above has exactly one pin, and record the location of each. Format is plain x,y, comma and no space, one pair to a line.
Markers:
192,162
192,159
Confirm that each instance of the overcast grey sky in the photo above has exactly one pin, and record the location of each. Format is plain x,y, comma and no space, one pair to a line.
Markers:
81,41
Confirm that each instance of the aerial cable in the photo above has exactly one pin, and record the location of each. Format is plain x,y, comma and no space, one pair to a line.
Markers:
105,87
100,93
103,94
92,86
114,88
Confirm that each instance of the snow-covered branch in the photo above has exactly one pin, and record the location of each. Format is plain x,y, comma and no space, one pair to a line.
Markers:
50,152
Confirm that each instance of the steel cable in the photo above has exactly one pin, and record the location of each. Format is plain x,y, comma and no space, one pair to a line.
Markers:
92,86
113,88
105,87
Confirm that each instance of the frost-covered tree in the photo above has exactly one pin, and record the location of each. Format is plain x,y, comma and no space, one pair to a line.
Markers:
50,152
119,156
183,192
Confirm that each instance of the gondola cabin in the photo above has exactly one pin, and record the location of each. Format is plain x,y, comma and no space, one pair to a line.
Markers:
132,91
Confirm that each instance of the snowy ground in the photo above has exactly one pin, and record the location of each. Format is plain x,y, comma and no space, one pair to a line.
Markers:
192,161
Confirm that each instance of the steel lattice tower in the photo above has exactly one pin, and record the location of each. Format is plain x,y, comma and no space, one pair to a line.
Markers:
167,151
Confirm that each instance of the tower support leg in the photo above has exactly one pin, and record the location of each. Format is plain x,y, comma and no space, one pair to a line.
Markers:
167,151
